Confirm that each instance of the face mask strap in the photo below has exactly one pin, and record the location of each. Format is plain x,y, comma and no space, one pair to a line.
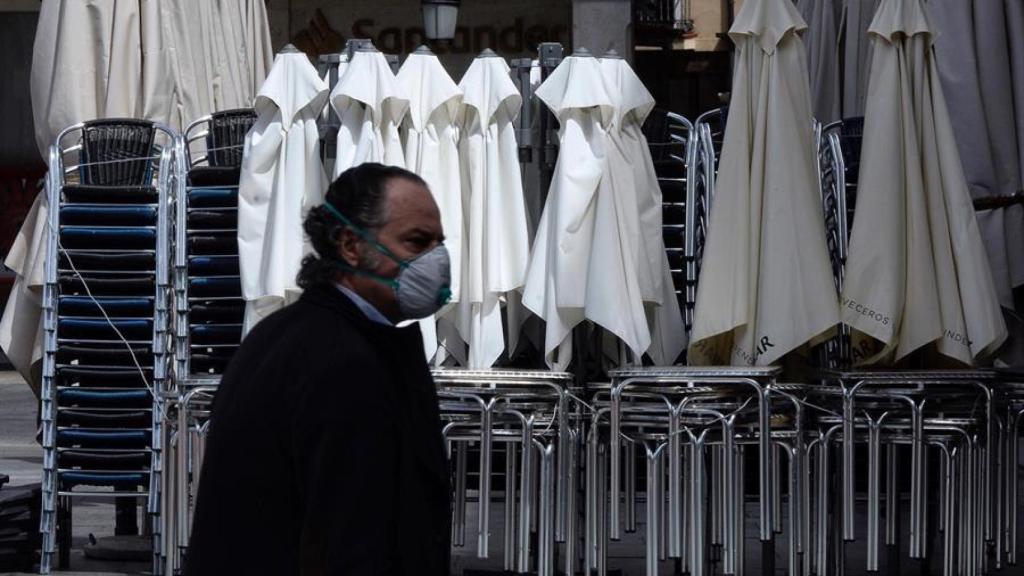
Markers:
382,279
365,236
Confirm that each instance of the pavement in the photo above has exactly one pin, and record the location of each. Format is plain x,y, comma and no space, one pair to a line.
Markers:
21,458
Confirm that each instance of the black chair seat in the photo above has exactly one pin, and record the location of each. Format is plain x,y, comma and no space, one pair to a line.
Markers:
217,312
205,287
213,220
104,355
215,176
213,244
673,214
213,197
86,306
100,439
102,329
102,378
83,260
676,259
216,333
108,285
105,398
679,280
213,265
108,215
104,460
103,479
674,236
672,191
110,238
89,194
101,419
207,364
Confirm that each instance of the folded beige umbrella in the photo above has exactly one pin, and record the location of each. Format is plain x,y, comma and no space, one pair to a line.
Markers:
216,52
163,60
21,328
766,284
917,272
86,64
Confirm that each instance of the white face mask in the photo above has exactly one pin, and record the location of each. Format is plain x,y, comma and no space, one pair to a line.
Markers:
423,284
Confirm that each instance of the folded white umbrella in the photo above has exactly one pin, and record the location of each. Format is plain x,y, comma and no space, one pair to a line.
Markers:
583,264
822,40
766,285
497,244
371,105
917,272
979,54
431,142
857,16
282,177
634,181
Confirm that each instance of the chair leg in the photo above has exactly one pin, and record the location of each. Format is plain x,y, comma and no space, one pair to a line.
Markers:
64,523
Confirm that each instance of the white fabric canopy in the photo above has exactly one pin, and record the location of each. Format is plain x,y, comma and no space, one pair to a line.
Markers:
823,18
282,177
766,283
583,264
371,105
635,184
431,141
497,242
917,272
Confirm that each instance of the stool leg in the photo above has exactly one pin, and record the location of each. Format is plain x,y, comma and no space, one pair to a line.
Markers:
459,524
874,447
511,472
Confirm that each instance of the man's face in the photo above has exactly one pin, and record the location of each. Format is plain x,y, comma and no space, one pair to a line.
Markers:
412,227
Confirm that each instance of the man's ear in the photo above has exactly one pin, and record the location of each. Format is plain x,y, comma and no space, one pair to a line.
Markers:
348,246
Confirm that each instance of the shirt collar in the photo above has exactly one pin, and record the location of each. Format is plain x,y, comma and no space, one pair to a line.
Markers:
365,307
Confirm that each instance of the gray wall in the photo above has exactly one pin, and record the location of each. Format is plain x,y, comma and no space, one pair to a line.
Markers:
17,139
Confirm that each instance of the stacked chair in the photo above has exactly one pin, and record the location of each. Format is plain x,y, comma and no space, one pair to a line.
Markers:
873,429
208,293
19,526
673,152
106,319
528,413
209,308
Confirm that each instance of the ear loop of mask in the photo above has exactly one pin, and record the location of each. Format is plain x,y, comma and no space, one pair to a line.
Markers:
345,266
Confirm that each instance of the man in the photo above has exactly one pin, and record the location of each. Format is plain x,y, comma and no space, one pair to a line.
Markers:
325,454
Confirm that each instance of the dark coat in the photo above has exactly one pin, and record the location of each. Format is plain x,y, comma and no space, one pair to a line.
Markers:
325,455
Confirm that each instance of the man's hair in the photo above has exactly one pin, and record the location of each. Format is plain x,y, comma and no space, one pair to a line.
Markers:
359,193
